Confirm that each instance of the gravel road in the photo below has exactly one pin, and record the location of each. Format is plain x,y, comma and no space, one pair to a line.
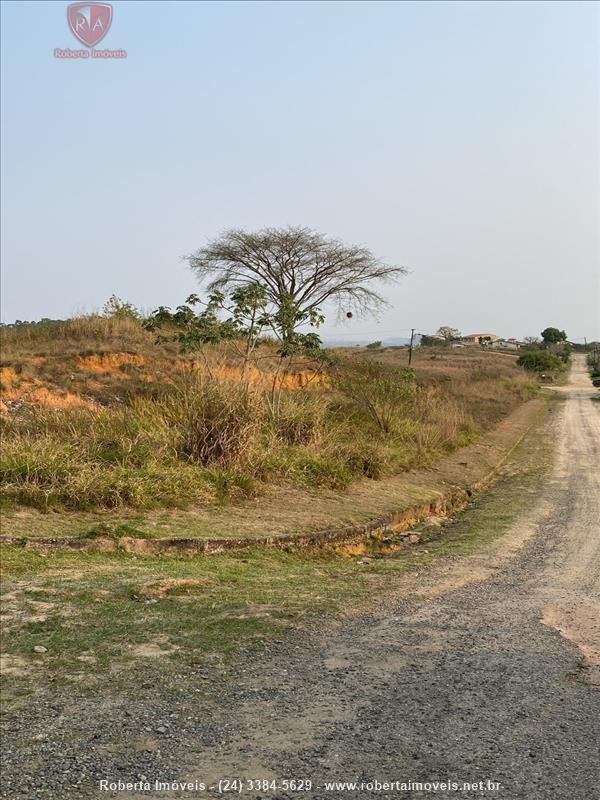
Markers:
487,669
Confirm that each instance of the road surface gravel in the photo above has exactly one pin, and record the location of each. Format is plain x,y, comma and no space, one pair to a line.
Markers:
485,669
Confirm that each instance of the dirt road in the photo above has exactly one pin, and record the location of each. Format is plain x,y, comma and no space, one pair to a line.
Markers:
488,672
483,668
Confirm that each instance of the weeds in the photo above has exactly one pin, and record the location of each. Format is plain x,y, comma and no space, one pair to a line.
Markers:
216,423
385,394
299,417
141,427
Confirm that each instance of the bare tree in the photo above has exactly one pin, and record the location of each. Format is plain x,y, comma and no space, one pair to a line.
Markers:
297,267
448,333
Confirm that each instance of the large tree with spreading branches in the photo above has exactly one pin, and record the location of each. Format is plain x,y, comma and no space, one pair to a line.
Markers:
299,270
553,336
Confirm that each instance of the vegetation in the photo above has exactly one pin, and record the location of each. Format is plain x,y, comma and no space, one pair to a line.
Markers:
100,614
550,356
115,307
540,361
98,414
297,269
553,336
443,337
593,362
387,395
449,334
432,341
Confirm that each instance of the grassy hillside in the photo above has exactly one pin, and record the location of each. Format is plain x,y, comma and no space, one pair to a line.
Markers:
98,415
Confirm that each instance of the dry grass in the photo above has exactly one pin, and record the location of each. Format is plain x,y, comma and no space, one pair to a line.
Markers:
101,416
107,360
483,385
86,330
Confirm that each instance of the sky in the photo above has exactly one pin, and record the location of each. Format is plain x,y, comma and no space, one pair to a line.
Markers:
460,140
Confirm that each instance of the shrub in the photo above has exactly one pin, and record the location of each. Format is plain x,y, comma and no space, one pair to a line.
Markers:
593,362
363,459
217,422
540,361
305,466
231,486
386,394
297,417
115,307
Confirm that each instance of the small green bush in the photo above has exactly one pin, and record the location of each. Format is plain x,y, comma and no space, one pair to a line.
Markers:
231,486
540,361
307,467
121,309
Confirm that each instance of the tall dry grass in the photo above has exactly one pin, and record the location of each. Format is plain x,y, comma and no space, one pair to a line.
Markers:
173,432
217,422
90,330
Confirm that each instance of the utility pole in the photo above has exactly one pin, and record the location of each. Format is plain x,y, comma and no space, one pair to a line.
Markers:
410,347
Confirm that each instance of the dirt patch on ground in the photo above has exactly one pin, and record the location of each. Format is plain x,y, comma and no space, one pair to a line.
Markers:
107,362
19,610
288,380
156,648
15,666
87,658
8,376
580,624
33,393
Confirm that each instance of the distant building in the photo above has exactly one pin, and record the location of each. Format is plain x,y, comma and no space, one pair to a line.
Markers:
507,344
477,339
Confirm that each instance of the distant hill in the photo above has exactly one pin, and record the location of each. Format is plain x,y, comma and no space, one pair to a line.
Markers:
361,341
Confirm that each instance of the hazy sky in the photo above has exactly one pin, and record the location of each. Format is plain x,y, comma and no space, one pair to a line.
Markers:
458,139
